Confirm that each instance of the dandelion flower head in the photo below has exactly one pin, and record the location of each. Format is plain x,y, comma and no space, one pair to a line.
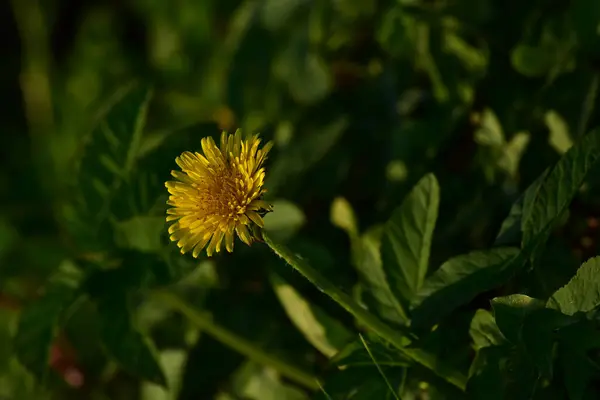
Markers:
218,193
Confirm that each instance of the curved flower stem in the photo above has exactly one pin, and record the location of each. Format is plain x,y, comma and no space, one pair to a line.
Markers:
386,332
235,342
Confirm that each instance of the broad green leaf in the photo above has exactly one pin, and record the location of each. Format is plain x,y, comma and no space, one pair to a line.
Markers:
141,233
121,339
459,280
254,382
40,320
531,327
173,363
397,336
376,281
484,330
581,293
325,333
511,229
510,312
558,189
285,220
108,162
407,237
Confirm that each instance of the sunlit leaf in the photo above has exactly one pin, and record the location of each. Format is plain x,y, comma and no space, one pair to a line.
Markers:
407,238
321,330
484,330
582,293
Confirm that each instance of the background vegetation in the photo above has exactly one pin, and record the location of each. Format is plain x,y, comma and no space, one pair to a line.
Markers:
435,159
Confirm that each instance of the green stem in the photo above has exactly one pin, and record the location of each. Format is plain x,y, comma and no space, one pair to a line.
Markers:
236,342
365,317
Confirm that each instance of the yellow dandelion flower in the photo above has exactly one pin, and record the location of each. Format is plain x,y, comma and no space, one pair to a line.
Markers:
218,193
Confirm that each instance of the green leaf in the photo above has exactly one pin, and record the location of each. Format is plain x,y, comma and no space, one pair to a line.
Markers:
108,162
581,293
510,312
285,220
374,278
558,189
141,233
130,348
560,138
325,333
458,281
254,382
407,238
303,152
276,14
173,363
511,229
526,323
356,355
575,343
533,61
304,71
41,319
485,374
342,215
484,331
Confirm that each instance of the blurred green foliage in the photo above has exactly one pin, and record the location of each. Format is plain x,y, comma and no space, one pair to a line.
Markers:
436,159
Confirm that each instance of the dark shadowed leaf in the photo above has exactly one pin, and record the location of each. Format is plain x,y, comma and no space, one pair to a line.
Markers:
40,320
108,162
356,355
558,189
575,343
130,348
510,312
458,281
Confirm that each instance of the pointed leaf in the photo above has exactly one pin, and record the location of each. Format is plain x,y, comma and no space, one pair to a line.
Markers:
325,333
582,293
374,277
108,162
459,280
558,189
407,238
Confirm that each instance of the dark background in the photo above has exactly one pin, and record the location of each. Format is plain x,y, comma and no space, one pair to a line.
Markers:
362,98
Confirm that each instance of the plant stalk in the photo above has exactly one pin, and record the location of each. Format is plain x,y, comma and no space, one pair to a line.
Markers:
235,342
